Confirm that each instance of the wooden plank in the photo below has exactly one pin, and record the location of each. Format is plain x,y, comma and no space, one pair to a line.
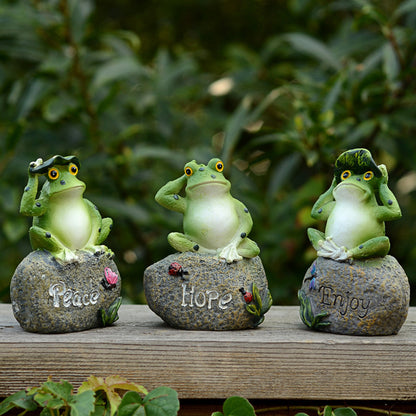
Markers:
279,360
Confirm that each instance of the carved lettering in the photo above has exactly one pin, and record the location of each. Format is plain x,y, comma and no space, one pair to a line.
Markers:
344,303
59,292
204,298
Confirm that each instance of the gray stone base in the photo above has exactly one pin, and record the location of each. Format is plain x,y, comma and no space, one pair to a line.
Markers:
208,297
368,297
49,297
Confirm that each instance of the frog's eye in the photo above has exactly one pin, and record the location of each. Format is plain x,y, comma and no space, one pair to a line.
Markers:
53,173
345,175
188,171
73,169
219,166
368,175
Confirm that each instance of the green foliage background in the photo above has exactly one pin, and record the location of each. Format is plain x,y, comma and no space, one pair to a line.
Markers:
277,89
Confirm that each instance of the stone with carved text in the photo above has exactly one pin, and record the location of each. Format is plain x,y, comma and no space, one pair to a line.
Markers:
367,297
54,297
204,292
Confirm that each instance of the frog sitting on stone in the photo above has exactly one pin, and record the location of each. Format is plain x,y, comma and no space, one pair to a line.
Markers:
63,221
213,221
355,207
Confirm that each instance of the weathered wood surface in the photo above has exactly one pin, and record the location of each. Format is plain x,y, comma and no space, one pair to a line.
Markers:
279,360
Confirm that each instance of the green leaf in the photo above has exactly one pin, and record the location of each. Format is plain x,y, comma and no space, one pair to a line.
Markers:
314,48
234,127
328,411
405,7
62,390
80,11
238,406
131,404
82,404
19,399
301,414
162,401
217,414
117,69
344,411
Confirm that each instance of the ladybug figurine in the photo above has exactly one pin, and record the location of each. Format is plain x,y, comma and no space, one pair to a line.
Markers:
175,269
248,296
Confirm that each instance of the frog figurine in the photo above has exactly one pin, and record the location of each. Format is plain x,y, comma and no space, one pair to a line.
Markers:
354,287
214,222
355,219
69,282
63,221
215,280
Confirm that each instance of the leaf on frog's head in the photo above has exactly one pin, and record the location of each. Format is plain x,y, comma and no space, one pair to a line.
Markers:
55,160
358,161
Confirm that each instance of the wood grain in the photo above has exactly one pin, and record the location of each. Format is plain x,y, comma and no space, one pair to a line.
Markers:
279,360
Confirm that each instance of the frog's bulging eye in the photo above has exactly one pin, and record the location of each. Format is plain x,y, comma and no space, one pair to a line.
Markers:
53,173
188,171
368,175
73,169
219,166
345,175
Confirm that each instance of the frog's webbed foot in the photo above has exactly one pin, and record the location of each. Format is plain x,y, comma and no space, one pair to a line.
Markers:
98,250
229,253
65,256
327,248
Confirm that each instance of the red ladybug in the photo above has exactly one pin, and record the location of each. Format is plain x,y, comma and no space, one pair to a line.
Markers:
175,269
248,296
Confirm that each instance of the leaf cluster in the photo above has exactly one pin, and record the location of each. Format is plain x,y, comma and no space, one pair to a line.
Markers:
96,397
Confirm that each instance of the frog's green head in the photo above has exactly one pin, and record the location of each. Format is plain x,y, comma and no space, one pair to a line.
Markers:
60,175
357,169
207,179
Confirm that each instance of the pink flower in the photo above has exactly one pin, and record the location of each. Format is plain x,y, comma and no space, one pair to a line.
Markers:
110,276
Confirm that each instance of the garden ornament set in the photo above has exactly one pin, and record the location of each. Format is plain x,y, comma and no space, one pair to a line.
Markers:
215,280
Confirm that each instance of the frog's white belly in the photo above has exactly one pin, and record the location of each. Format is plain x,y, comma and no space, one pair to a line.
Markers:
71,224
211,223
351,224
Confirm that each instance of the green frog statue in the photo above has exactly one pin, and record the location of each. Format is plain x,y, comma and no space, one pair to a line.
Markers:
63,221
214,222
354,286
222,284
70,281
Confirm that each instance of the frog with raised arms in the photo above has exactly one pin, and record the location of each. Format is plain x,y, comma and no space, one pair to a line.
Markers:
355,207
213,221
63,221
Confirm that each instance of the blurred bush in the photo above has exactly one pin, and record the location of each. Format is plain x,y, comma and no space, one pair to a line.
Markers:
136,89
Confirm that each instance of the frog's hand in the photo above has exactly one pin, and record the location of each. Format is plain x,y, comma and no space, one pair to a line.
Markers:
42,239
168,195
390,209
29,205
104,230
325,203
331,250
315,236
100,227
